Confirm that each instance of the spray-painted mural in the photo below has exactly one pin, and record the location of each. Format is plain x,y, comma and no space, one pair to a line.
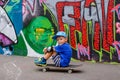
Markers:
27,26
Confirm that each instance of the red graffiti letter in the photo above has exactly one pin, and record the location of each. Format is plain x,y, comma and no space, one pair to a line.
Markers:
76,16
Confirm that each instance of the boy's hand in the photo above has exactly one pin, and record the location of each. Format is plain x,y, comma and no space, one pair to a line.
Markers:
50,49
45,50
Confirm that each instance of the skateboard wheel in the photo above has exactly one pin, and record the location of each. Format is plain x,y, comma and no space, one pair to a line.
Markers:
44,70
70,71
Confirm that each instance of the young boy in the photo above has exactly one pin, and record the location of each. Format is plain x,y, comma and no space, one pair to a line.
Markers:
61,54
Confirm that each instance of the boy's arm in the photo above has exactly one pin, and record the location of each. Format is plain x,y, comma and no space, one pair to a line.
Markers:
48,49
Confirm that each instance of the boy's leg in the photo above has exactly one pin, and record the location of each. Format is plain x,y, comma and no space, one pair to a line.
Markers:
48,55
42,61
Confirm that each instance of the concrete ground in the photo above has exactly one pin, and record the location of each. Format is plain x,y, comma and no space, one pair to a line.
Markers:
23,68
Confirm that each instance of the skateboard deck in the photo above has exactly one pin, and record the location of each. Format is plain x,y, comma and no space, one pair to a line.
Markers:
52,67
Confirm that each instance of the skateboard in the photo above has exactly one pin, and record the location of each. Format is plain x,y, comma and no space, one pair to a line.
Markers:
52,67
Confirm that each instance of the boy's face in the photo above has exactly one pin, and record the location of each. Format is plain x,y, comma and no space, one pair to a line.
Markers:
61,40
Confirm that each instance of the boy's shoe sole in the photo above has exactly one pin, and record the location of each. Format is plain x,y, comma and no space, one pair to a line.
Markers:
42,65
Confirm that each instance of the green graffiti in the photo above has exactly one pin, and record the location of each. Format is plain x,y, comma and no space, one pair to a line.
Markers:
66,28
90,26
100,55
18,50
39,33
112,51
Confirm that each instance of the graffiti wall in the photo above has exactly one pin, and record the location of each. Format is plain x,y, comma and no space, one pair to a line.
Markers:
92,26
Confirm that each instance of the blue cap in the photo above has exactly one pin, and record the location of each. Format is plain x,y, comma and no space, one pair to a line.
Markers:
60,33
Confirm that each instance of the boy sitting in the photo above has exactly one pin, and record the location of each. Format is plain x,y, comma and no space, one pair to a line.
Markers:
61,54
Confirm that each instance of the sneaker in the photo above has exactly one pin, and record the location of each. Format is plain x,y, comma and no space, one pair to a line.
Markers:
40,62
